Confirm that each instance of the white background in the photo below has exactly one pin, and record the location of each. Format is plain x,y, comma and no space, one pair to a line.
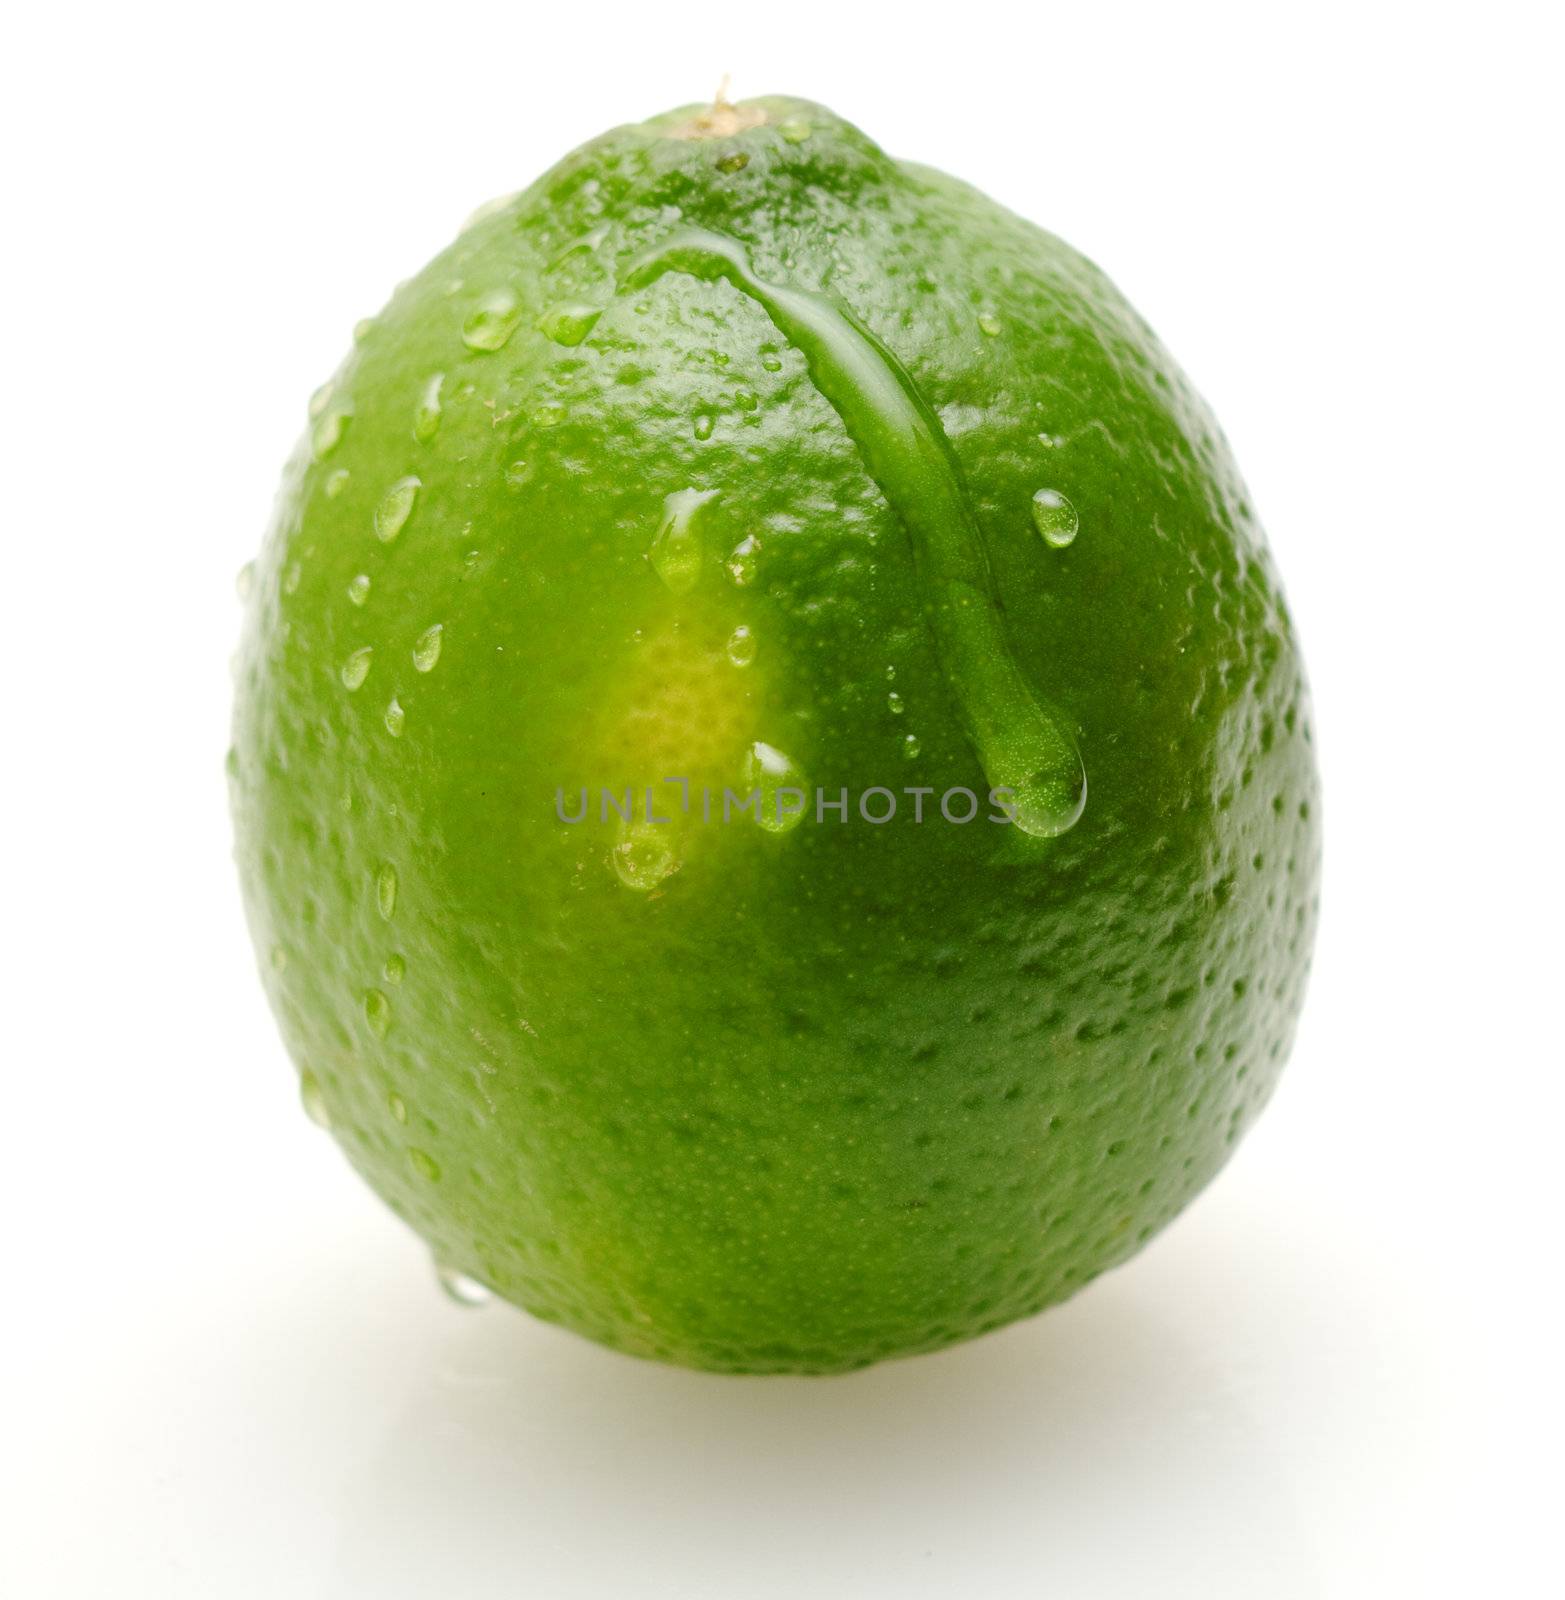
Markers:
226,1372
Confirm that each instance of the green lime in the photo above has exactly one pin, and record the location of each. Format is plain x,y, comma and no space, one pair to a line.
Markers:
771,769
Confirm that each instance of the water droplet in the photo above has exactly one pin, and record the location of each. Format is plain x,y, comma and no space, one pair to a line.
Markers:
988,324
395,507
741,646
734,161
377,1012
359,588
1021,742
362,329
644,853
911,746
278,957
744,561
398,1107
588,242
549,415
426,648
772,363
321,398
677,553
465,1291
395,718
357,667
329,429
426,418
781,783
394,970
386,890
244,580
313,1100
794,129
1046,801
492,321
518,475
569,324
703,425
336,482
424,1164
291,575
895,704
746,400
1054,517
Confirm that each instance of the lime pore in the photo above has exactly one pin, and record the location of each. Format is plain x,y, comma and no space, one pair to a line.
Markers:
771,770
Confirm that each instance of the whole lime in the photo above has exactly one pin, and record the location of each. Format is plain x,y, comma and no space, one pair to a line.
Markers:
771,768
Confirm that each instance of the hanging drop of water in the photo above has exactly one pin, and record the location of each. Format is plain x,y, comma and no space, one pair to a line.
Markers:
426,648
463,1290
741,646
395,508
677,554
745,561
1054,517
492,321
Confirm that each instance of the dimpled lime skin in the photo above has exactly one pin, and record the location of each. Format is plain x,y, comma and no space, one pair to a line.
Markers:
818,1097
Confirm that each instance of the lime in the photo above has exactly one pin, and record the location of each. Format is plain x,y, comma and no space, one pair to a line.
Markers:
771,769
